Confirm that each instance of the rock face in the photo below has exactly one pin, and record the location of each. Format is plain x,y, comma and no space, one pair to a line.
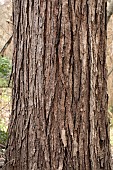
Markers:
6,26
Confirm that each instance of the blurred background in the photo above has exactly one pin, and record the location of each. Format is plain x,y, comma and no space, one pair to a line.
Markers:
110,75
6,51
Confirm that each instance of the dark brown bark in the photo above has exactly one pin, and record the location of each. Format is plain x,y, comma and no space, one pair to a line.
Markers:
59,99
5,46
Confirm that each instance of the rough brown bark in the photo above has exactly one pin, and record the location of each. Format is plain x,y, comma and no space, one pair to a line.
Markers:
59,98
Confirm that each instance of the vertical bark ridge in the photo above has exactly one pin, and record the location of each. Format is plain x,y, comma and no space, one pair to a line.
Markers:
59,118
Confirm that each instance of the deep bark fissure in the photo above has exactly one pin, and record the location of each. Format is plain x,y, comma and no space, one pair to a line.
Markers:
44,57
89,75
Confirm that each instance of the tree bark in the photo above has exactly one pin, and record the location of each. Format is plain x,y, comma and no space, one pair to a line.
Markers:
59,96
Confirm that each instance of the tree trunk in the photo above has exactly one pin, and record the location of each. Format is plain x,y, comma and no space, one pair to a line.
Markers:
59,99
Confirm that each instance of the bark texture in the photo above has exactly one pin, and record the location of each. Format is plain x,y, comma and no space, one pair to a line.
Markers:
59,99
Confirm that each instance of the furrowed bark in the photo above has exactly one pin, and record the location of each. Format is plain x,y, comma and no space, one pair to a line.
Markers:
59,99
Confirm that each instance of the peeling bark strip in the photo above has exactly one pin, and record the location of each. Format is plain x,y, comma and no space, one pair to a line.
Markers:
6,45
59,104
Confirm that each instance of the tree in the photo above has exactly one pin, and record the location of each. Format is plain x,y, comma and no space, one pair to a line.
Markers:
59,97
